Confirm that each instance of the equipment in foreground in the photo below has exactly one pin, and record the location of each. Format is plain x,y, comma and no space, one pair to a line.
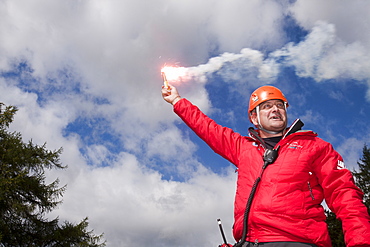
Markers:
225,244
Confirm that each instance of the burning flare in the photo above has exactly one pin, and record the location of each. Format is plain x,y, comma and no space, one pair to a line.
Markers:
172,74
165,82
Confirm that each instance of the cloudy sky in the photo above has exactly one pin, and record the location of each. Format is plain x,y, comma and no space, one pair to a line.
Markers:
85,76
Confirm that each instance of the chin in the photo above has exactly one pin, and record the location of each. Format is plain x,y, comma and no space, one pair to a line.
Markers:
278,128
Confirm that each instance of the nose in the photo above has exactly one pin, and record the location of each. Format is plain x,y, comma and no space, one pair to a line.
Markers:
275,108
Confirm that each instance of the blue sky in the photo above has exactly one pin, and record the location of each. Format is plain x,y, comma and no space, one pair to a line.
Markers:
85,76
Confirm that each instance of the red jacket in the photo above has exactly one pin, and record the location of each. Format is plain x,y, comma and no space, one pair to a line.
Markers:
287,204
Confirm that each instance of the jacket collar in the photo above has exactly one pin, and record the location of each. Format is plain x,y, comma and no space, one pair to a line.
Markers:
295,127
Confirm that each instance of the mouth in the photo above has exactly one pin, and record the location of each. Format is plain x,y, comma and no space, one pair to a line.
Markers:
276,117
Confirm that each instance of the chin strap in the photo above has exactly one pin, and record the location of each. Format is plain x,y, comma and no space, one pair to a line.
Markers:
260,125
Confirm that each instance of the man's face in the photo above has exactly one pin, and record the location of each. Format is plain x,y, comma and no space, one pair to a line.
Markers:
273,115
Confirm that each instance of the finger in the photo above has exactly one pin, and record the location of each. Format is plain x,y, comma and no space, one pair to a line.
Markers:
165,93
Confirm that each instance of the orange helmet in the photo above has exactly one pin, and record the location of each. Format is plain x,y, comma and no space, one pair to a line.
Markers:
263,94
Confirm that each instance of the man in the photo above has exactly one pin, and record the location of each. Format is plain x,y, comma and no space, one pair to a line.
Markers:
283,176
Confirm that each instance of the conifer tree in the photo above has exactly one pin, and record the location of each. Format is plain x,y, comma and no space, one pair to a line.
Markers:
362,176
335,229
25,198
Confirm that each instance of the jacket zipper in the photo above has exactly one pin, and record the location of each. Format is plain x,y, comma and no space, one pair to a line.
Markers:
310,189
297,125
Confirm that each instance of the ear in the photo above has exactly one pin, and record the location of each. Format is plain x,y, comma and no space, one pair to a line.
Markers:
254,118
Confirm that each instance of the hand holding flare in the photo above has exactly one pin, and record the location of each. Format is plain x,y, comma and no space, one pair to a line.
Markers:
169,93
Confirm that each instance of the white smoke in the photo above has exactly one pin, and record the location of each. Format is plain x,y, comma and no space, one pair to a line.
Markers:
321,56
247,59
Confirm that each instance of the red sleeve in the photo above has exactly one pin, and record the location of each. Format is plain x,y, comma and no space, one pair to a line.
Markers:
343,197
222,140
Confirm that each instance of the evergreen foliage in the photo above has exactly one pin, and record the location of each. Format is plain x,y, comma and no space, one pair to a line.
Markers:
335,229
25,198
363,175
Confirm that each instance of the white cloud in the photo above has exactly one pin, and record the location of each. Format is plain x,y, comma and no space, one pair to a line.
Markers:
351,151
307,13
349,56
165,144
127,199
322,56
237,24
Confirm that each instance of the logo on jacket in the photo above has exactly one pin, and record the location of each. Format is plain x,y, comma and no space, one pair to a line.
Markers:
294,145
341,165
